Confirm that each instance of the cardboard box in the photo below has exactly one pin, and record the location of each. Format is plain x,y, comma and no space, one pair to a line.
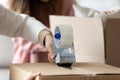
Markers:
112,31
79,71
88,37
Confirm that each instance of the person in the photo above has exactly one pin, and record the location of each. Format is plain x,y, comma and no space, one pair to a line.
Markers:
48,7
26,51
66,11
85,8
41,9
13,24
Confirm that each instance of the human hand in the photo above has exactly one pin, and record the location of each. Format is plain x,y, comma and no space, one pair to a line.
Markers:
109,12
48,45
112,11
32,75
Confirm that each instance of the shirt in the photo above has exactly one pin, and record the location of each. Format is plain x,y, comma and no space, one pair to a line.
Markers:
100,5
13,24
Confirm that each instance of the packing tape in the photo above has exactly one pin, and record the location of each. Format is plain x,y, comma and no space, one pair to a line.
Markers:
63,36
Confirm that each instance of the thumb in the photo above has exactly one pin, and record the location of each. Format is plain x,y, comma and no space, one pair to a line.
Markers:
32,75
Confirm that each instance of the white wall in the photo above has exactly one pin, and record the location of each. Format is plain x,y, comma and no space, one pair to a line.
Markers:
6,55
4,74
6,51
3,2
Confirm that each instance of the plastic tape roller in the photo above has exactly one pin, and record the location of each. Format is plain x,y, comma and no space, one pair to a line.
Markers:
63,45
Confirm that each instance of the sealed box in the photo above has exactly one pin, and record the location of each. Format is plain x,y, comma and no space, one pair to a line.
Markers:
78,71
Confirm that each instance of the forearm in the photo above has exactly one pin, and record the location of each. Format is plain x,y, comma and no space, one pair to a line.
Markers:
42,36
13,24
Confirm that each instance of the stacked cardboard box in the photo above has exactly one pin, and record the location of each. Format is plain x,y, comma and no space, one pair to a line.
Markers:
112,31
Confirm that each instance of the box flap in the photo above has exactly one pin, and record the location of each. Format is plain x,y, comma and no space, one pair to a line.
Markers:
95,68
47,69
88,37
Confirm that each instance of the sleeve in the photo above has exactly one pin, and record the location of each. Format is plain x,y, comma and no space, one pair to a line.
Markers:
80,11
13,24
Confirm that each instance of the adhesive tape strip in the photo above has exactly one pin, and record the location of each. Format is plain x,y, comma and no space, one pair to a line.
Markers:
63,36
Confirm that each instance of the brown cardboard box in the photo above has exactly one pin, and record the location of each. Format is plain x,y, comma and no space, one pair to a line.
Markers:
49,72
88,37
79,71
112,37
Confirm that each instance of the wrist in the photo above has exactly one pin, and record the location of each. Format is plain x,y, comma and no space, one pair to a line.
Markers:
48,38
44,35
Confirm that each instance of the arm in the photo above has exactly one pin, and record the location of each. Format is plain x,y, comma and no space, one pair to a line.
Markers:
13,24
81,11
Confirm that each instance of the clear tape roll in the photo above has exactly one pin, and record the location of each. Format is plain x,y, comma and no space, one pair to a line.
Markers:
63,36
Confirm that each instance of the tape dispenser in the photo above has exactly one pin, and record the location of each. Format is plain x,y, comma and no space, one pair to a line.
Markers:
63,45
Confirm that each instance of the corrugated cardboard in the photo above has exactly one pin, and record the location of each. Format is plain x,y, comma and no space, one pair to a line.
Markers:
79,71
88,37
49,72
112,37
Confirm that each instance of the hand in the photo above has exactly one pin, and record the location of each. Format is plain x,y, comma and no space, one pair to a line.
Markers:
109,12
48,45
32,75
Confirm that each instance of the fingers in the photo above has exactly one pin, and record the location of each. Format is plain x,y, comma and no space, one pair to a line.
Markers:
32,75
51,55
48,45
51,58
110,12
